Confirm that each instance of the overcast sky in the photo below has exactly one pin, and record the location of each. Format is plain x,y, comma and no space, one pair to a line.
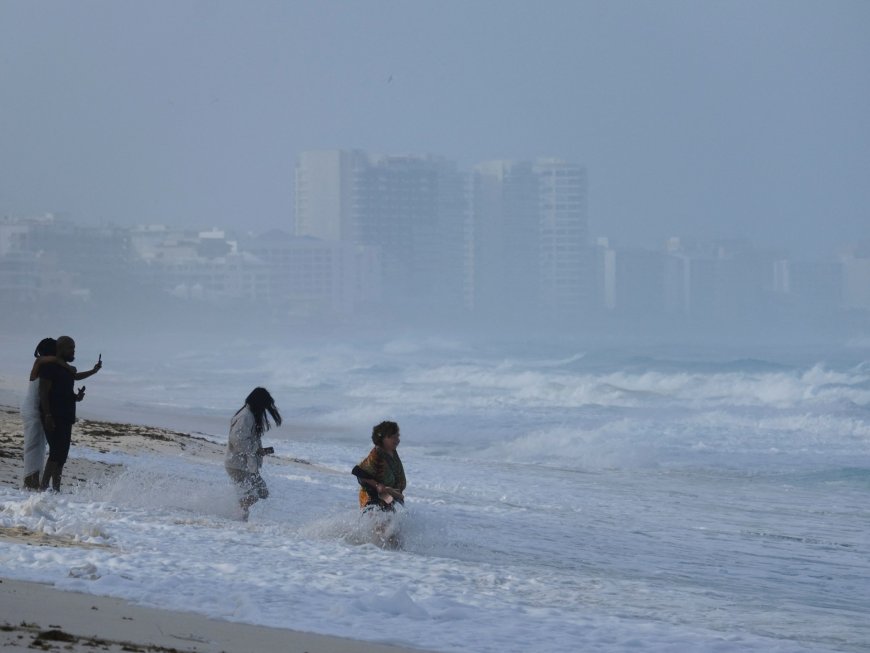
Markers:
700,119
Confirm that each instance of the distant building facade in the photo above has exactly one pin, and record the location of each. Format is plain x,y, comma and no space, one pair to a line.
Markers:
565,266
407,237
531,250
506,252
414,210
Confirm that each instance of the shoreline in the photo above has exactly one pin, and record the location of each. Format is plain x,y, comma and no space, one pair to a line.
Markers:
35,615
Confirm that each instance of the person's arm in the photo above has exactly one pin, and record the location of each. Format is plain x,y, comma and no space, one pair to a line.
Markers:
365,478
57,361
79,376
34,371
42,360
398,496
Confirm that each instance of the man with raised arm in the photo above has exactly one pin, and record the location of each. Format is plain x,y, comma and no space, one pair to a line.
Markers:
57,402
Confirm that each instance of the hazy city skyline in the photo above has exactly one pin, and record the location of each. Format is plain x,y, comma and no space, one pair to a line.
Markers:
703,120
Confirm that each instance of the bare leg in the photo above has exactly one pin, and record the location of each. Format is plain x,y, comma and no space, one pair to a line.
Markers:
245,504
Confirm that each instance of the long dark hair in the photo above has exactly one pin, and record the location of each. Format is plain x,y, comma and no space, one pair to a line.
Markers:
260,402
46,347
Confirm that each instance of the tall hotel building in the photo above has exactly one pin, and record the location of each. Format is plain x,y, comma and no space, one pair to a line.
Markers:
531,252
326,182
565,260
413,209
506,235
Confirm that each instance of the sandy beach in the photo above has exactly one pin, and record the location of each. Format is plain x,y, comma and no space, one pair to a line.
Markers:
36,616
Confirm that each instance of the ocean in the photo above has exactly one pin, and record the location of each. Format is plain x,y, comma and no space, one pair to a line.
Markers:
560,498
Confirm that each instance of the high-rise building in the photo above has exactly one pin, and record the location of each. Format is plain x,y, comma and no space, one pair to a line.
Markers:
531,249
565,261
506,233
512,242
414,209
326,181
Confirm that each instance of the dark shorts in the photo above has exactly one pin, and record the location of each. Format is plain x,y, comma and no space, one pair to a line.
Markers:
248,484
59,442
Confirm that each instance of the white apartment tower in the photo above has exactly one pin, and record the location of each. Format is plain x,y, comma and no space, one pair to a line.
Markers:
325,185
531,251
564,257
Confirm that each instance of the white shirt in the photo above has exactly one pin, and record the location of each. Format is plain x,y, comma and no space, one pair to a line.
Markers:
243,443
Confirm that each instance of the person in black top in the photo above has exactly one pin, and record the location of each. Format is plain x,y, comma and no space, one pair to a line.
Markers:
34,435
57,401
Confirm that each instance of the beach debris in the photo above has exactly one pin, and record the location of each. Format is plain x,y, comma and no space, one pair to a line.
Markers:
56,635
87,571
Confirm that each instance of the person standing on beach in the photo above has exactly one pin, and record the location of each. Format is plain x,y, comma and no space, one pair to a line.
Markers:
57,402
245,451
34,434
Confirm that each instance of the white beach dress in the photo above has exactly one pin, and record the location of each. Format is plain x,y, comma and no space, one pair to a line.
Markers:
34,436
243,443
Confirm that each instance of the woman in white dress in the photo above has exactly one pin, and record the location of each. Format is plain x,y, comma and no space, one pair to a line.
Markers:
245,449
34,434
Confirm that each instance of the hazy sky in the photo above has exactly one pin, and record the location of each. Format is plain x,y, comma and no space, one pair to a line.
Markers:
701,119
